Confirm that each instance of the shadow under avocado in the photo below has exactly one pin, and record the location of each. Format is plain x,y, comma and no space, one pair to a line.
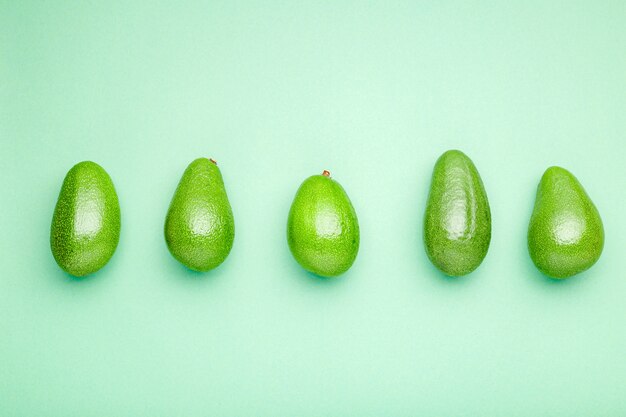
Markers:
89,278
543,279
318,279
451,279
67,277
180,272
306,278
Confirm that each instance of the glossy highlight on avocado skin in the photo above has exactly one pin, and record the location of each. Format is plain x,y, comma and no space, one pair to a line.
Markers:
322,228
86,223
200,226
565,234
457,222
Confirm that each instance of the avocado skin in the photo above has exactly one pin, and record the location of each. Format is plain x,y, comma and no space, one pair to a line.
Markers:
199,226
322,227
565,234
86,223
457,223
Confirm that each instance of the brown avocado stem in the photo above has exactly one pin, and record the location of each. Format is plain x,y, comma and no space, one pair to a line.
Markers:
213,160
326,173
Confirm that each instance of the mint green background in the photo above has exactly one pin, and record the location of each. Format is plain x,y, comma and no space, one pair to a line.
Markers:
277,91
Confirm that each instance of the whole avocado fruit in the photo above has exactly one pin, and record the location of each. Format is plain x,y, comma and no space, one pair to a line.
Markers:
457,223
199,226
565,234
322,228
86,223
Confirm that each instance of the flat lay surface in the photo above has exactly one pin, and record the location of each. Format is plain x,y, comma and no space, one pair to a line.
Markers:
276,92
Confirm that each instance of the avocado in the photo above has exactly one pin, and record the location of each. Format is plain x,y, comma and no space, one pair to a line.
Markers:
322,228
86,223
565,234
457,223
199,226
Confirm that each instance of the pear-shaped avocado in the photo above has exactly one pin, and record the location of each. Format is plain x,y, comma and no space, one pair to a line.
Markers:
457,224
565,235
199,227
322,229
86,222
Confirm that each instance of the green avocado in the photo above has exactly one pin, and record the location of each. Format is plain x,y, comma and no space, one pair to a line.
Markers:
457,223
565,235
322,228
86,222
199,226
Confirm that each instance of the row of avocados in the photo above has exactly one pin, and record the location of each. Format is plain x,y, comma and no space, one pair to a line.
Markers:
565,235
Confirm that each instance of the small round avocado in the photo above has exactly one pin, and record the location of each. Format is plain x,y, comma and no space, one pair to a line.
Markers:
86,222
322,227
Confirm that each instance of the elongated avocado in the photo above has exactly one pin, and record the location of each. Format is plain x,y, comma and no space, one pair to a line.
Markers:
322,227
199,226
457,223
86,223
565,234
